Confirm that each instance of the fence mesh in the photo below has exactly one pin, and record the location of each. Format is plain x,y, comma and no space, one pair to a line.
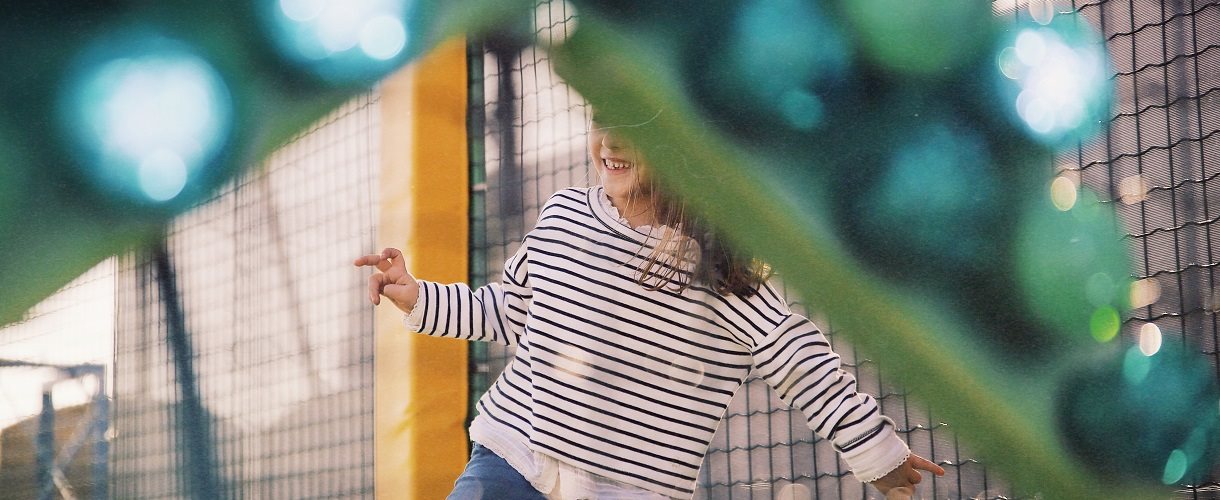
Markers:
280,344
1156,163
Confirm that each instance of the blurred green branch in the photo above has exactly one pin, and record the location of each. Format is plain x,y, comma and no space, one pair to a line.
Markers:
53,229
1005,414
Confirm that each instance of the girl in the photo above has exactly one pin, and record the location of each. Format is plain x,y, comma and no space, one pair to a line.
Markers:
633,328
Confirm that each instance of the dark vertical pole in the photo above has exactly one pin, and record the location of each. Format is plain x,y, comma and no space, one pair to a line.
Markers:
195,439
476,134
45,449
511,202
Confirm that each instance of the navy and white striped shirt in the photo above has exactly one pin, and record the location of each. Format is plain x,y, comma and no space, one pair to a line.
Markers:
630,383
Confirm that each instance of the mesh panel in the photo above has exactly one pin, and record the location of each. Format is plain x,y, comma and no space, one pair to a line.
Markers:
280,343
1157,165
527,141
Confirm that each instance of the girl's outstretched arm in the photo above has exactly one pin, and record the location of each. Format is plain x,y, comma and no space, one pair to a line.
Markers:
899,483
791,354
493,313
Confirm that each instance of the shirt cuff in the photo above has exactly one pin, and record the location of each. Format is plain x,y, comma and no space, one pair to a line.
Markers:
414,320
879,456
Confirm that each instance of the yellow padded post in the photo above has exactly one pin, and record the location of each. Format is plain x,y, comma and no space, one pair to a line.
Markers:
420,382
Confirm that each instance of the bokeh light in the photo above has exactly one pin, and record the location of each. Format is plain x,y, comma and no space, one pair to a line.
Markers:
1072,266
931,201
1063,193
383,37
145,117
1136,365
1055,79
686,371
1145,292
1042,11
778,60
1105,323
1134,416
1175,467
342,41
1133,189
1150,339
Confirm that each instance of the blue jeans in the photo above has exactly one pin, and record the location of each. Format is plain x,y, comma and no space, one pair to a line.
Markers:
491,477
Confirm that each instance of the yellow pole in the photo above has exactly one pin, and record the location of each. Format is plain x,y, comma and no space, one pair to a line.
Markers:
420,382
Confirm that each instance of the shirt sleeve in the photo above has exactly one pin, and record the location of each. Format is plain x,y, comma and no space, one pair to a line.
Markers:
495,312
797,361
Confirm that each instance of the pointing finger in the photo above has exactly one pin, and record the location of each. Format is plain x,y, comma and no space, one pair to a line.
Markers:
367,260
919,462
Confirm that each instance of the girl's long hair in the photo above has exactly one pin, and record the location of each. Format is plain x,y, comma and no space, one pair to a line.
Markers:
690,252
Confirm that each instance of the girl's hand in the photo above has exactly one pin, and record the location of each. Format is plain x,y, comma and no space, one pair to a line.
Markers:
393,280
900,482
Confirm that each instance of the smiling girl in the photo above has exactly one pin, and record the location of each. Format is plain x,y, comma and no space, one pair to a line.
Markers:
633,328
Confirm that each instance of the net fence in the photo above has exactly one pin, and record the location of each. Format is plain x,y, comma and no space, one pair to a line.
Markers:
1156,163
275,400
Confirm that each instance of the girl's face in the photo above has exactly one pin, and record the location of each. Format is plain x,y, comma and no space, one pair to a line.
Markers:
620,167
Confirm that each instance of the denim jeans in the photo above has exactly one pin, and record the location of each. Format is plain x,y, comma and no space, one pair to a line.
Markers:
487,476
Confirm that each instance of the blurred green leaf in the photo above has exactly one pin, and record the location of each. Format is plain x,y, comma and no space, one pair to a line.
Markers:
1004,411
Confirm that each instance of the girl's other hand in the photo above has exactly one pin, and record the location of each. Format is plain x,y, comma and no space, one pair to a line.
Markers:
393,281
901,481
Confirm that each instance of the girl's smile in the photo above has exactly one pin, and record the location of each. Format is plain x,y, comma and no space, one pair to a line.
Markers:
622,172
617,166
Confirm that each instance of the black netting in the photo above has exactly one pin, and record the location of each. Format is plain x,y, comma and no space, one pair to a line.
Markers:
1157,165
255,289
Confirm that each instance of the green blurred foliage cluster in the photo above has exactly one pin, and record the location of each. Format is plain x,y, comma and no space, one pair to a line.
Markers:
891,153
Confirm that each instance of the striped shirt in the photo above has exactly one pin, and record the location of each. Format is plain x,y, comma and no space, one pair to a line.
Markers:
629,383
